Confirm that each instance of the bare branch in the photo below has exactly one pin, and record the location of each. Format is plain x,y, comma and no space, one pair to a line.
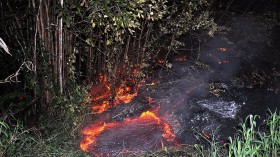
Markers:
14,77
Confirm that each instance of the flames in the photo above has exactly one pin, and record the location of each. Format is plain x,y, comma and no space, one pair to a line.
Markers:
101,93
106,137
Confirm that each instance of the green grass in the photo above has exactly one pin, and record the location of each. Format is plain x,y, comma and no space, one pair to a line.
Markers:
251,142
58,140
55,135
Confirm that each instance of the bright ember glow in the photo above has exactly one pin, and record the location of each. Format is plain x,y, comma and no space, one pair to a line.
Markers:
101,93
222,49
147,130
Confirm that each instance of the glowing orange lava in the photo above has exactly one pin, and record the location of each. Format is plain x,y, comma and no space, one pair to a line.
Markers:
147,131
91,134
101,93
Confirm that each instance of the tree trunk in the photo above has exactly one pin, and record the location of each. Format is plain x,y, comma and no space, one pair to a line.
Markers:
60,52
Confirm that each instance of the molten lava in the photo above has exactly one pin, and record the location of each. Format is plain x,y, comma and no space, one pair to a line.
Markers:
101,93
106,137
147,132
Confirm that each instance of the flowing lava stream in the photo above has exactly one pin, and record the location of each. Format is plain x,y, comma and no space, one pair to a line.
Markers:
147,132
132,135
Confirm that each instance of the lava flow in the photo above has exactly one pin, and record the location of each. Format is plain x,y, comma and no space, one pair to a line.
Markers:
147,132
106,137
102,92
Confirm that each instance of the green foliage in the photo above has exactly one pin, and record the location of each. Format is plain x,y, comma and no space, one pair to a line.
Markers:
186,16
16,140
246,144
71,104
13,138
251,142
125,33
57,133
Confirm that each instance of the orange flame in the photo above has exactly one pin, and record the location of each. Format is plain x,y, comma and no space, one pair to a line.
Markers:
102,92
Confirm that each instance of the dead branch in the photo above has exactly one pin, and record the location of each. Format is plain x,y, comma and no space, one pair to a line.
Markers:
14,77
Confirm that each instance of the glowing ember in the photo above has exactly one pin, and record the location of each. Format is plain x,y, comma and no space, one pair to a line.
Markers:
101,93
223,62
147,132
222,49
123,95
161,61
99,108
155,82
181,59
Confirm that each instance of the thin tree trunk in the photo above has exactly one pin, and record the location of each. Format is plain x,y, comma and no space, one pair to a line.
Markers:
34,55
60,52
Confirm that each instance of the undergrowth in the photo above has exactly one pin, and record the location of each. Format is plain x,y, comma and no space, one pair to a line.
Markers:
17,141
55,135
252,142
